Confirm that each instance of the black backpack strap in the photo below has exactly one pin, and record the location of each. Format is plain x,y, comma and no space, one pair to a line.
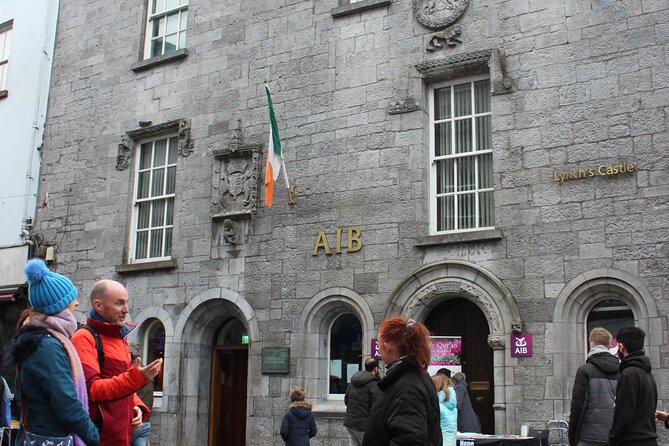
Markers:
98,344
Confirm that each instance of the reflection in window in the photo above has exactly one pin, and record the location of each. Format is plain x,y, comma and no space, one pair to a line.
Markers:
154,348
612,315
345,352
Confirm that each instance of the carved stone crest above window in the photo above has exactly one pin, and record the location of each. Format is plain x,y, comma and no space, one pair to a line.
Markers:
179,126
438,14
236,179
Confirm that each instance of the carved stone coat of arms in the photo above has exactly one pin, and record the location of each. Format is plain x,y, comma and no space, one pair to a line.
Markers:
438,14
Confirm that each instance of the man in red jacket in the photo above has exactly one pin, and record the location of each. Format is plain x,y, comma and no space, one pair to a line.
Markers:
114,406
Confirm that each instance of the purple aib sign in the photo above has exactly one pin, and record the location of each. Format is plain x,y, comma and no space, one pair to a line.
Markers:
521,345
375,349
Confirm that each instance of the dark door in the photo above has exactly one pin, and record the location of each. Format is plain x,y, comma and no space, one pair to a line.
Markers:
461,317
227,410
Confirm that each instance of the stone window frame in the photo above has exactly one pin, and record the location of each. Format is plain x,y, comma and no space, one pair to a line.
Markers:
6,34
181,128
433,205
312,346
348,7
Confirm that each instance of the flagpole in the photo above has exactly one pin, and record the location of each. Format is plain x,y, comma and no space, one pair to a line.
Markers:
289,188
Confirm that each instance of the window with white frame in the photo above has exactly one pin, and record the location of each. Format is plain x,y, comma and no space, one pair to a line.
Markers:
345,352
5,41
461,174
165,27
153,210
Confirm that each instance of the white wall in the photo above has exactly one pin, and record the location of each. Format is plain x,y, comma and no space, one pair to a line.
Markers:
22,113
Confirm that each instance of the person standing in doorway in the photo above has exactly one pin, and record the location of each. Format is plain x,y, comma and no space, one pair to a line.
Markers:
361,394
636,393
407,412
112,380
594,393
468,420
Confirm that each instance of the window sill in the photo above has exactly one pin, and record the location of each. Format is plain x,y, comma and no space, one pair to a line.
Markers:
459,237
353,8
159,60
330,409
146,266
4,94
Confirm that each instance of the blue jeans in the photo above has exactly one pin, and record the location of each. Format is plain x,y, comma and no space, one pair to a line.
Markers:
141,434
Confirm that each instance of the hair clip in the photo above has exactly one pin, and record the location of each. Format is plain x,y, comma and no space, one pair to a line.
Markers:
410,324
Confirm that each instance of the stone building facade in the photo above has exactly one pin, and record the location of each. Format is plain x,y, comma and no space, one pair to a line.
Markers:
498,162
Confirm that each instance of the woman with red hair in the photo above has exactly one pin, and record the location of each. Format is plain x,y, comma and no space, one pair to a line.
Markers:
407,412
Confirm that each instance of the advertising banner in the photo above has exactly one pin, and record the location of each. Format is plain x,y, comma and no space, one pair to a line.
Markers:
446,353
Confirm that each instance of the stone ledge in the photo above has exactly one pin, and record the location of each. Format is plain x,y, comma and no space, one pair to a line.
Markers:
459,237
130,268
330,409
352,8
159,60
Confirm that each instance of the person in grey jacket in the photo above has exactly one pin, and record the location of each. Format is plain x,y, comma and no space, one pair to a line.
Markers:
361,394
468,420
594,393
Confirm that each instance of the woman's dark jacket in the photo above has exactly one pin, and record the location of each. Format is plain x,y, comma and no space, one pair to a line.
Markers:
593,399
636,400
407,412
46,389
468,420
298,425
361,394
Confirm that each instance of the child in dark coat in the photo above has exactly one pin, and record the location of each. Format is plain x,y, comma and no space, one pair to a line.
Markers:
299,424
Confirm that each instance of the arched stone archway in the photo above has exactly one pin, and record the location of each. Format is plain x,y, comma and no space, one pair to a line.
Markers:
193,337
432,284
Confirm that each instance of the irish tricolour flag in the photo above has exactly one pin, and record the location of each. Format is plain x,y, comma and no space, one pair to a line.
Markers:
274,156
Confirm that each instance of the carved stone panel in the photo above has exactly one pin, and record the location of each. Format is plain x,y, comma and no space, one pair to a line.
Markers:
235,182
438,14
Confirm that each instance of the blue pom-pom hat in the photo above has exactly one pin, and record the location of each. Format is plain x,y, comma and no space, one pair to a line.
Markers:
48,292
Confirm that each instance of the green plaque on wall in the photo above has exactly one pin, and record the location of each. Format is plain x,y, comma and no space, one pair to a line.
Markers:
275,360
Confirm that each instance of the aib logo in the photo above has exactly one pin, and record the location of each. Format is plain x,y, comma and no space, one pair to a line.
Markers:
521,345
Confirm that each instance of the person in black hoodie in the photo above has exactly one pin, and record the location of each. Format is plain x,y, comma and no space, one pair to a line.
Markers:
636,393
299,424
468,420
594,393
361,394
407,412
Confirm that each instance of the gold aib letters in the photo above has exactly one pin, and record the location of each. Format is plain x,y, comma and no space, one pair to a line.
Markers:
354,241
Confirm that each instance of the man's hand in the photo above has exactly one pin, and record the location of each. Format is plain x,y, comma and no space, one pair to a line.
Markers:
150,371
137,421
661,416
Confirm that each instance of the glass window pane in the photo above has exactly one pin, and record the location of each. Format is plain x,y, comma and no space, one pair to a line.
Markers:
183,19
171,43
158,27
170,212
159,154
463,136
158,182
143,211
466,211
172,152
442,139
171,180
143,184
483,133
141,244
485,171
156,244
158,214
157,47
462,99
2,76
482,96
157,6
145,156
183,2
466,179
345,350
611,314
169,4
446,213
442,103
182,39
155,349
486,209
445,177
168,242
172,23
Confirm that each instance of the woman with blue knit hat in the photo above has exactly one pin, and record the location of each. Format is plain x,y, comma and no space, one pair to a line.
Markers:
50,383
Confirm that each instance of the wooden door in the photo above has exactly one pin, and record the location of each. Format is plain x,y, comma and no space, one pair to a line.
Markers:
227,408
461,317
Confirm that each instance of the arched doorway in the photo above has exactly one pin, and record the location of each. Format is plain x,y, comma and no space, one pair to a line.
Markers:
462,317
229,372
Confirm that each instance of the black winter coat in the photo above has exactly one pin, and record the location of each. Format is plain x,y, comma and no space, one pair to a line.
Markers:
361,394
636,400
407,412
298,425
468,421
593,398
